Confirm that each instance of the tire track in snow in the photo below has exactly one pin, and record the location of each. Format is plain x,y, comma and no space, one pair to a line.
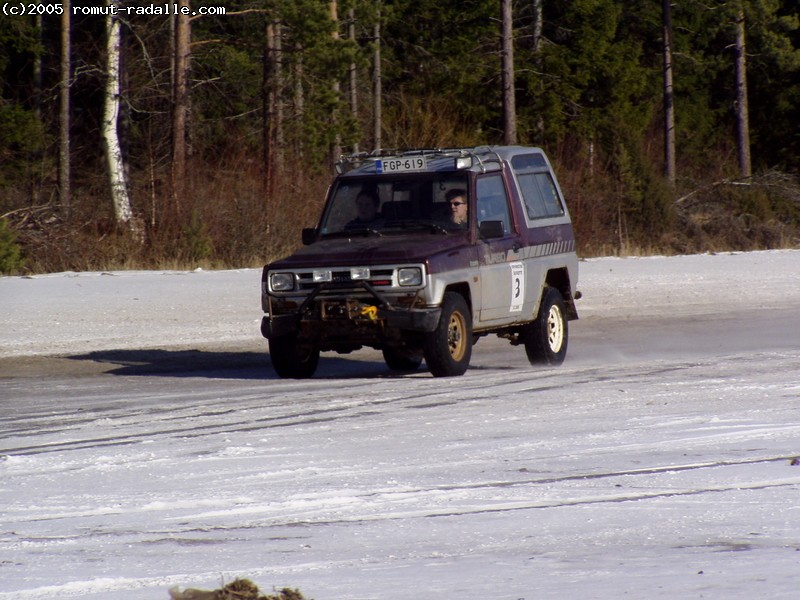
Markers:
481,387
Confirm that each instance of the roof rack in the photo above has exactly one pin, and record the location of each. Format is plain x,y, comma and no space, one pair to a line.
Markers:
480,154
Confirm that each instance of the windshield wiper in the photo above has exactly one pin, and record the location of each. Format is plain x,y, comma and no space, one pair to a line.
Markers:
417,224
355,231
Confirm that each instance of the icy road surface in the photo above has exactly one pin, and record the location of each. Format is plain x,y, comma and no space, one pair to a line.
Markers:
146,443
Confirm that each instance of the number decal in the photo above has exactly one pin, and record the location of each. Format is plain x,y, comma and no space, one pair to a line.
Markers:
517,286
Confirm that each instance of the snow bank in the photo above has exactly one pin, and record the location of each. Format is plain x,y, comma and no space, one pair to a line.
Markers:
83,312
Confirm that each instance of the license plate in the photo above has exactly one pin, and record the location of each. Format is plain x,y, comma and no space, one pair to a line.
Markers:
401,165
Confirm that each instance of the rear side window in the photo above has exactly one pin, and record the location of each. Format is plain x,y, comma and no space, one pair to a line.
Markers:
540,196
539,191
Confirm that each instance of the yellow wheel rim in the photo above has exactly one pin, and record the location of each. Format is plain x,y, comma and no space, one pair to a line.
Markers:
456,340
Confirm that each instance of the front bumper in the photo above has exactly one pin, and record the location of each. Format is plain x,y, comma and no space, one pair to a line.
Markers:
415,319
384,317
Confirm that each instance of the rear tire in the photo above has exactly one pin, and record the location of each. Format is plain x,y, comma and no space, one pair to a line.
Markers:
448,348
291,359
546,338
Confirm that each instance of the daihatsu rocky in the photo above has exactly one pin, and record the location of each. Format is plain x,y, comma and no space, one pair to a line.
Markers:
391,267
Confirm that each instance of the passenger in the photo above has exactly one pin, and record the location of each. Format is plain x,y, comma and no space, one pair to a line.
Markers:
367,203
457,199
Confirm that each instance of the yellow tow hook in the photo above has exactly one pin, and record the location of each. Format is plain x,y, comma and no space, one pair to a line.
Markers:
371,312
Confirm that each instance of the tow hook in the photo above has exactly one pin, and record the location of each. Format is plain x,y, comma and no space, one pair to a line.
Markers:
370,312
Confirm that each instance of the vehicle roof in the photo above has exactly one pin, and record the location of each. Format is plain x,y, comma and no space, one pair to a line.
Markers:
484,158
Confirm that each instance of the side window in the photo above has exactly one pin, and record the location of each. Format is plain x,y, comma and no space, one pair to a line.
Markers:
551,202
534,203
537,186
492,201
540,196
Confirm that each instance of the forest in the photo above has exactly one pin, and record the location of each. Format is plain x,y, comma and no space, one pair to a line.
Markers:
203,133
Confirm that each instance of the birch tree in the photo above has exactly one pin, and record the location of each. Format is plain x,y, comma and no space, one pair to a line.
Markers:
180,104
538,23
114,160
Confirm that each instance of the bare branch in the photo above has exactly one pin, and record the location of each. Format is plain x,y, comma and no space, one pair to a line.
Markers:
237,13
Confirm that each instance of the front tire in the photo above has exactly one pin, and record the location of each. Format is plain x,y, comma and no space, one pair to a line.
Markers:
448,348
401,361
546,338
292,359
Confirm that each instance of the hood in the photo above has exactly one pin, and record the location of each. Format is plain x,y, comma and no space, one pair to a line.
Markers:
371,250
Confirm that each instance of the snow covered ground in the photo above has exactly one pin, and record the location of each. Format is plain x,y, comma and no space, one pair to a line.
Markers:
655,463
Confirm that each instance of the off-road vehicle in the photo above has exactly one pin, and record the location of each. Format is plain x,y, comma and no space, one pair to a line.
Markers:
419,253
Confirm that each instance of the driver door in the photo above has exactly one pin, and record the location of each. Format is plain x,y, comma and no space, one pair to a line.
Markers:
502,270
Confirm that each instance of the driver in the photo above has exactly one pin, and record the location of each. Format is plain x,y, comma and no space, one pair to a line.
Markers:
457,199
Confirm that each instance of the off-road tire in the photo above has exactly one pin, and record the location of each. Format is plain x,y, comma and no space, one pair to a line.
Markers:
291,359
546,337
398,360
448,348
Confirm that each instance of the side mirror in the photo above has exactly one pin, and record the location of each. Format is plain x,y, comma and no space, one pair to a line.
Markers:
491,229
309,236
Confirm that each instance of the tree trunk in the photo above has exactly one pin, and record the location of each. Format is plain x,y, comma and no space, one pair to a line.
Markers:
742,110
37,72
509,101
64,194
538,23
277,93
537,27
116,166
351,35
268,117
180,106
38,96
336,148
377,83
299,94
669,108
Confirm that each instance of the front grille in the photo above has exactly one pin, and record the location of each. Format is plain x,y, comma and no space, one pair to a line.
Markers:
341,280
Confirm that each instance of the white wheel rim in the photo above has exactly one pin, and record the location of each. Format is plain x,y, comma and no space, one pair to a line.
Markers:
555,329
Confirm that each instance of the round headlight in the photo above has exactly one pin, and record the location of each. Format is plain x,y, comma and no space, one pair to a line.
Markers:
281,282
409,276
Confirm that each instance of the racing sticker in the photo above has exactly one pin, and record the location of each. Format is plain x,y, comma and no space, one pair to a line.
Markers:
517,286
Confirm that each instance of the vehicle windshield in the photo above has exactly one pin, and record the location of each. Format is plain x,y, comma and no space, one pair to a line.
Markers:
435,202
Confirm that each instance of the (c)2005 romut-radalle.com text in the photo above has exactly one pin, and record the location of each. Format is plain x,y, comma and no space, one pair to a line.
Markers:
21,9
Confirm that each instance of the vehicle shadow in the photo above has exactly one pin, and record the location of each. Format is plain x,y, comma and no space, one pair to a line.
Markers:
218,364
181,363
